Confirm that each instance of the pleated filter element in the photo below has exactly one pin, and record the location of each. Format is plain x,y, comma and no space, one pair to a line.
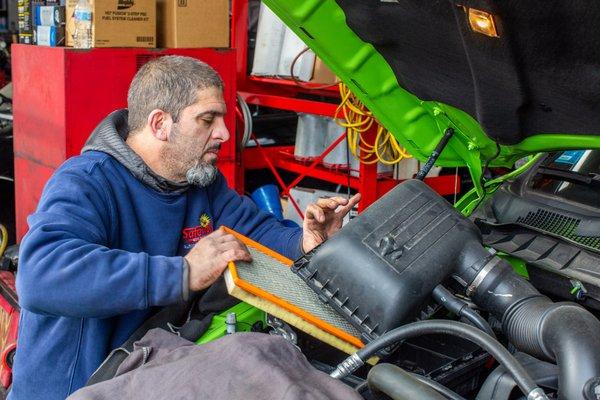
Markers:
276,48
291,48
269,39
314,135
310,137
269,284
338,157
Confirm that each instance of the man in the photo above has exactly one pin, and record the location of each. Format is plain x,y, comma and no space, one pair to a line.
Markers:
126,227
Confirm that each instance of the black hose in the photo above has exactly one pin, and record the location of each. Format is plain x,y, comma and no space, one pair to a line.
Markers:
399,384
491,345
449,394
446,392
361,387
461,309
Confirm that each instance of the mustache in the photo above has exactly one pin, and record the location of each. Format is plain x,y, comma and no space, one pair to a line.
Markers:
216,147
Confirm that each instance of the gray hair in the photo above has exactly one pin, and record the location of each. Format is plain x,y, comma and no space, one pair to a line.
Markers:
201,174
170,84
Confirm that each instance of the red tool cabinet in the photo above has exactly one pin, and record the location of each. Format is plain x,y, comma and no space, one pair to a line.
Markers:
60,95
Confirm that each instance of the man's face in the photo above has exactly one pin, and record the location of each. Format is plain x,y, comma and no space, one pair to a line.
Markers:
194,140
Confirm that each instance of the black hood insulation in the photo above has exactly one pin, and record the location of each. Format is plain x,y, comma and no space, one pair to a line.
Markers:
539,76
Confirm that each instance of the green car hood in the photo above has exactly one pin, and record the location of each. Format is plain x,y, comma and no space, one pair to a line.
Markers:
420,68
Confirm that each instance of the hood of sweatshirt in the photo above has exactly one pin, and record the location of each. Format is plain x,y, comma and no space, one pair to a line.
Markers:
109,137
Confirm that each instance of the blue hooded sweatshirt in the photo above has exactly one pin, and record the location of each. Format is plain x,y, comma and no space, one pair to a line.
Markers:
104,249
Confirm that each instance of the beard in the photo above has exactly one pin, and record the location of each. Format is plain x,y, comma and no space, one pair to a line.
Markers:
179,154
201,174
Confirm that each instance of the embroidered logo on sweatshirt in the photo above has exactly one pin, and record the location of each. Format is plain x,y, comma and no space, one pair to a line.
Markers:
191,236
204,221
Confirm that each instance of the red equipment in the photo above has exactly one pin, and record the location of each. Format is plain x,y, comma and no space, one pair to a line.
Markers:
60,95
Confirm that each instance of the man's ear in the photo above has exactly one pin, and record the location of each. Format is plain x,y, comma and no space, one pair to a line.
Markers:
160,123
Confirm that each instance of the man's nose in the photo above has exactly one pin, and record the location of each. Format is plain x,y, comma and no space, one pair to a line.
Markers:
221,132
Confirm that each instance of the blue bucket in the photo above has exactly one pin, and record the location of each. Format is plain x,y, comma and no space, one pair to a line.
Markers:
267,199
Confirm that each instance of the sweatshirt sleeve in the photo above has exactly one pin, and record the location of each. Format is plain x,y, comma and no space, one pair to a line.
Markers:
242,215
66,267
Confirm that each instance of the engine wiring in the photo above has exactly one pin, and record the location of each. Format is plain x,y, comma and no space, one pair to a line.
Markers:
353,115
300,83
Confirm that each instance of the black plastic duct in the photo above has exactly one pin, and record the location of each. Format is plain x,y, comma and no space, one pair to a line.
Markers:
379,269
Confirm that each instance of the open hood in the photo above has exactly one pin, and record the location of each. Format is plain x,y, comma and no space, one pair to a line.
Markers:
521,75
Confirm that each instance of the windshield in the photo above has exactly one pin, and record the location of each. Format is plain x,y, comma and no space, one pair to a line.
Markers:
573,175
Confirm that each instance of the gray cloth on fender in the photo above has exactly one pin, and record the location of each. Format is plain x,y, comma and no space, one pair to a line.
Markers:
240,366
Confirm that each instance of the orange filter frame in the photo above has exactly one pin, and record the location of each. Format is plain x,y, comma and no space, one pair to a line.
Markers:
269,297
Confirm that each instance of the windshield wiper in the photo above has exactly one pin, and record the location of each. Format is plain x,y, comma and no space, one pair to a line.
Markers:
590,179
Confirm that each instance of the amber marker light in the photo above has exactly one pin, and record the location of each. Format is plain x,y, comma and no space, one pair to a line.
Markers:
482,22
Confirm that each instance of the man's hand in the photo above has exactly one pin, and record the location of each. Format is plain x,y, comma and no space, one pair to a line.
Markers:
209,257
324,218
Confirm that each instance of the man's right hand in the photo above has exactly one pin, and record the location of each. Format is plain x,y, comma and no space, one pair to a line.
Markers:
209,257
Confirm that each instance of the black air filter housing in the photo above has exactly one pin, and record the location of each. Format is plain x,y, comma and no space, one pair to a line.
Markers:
382,266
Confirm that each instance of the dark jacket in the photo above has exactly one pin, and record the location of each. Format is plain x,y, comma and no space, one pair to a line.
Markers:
104,250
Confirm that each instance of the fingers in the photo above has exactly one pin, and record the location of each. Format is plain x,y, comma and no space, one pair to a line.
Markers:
231,245
331,203
219,233
317,211
314,211
233,250
220,236
210,257
228,237
236,254
351,203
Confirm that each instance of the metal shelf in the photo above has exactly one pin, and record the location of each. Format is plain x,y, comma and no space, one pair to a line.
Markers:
286,94
290,103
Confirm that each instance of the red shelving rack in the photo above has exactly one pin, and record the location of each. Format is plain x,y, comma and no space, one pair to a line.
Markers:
60,95
284,94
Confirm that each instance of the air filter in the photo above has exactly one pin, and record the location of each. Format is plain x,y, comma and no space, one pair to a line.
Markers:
269,284
269,39
310,137
379,270
338,157
292,48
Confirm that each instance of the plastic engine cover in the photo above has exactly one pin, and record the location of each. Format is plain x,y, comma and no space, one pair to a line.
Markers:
382,266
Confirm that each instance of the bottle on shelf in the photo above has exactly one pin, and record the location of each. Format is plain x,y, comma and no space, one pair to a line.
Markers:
82,37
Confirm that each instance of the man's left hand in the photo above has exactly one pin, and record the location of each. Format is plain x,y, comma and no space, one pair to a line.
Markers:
324,218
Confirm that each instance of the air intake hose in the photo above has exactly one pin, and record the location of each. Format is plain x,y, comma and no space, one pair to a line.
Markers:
561,332
399,384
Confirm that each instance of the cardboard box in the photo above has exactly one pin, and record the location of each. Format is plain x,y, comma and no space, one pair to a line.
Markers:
118,23
193,23
322,74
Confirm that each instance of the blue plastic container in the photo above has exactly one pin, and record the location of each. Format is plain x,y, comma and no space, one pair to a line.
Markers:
267,199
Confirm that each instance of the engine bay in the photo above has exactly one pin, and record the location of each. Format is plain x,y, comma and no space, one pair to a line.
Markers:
425,263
